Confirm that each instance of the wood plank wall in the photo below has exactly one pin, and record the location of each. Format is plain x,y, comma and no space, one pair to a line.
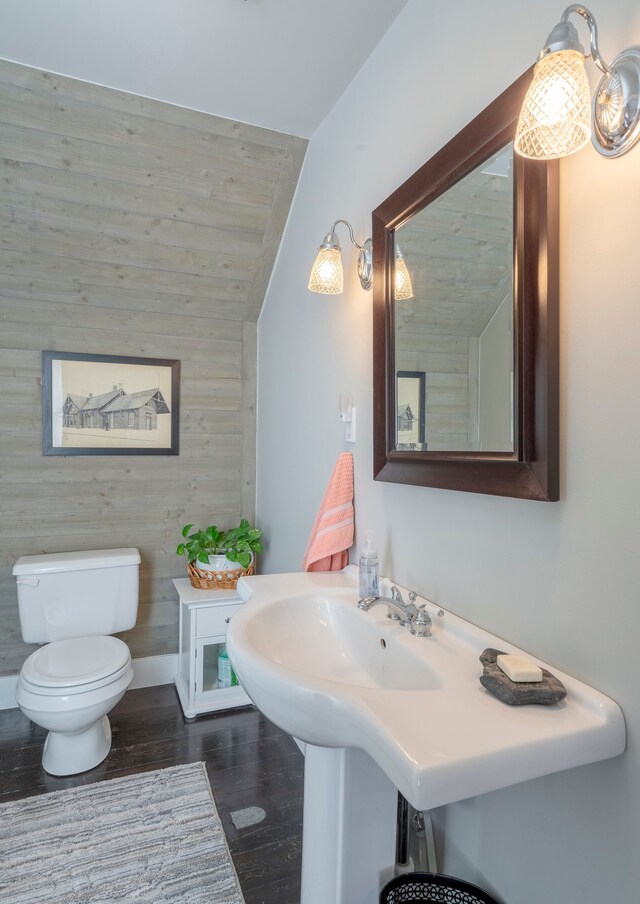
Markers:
130,227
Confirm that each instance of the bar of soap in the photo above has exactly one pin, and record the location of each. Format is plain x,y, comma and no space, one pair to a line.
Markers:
518,667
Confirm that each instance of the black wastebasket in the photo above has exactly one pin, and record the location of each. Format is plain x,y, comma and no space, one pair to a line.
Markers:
432,888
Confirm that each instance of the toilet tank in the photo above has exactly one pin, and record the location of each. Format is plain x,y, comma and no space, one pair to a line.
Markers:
77,594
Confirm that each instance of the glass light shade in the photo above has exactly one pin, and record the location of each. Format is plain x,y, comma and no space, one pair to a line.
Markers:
326,273
403,287
556,115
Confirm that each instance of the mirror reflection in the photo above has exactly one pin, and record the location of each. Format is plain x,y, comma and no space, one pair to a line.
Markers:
454,335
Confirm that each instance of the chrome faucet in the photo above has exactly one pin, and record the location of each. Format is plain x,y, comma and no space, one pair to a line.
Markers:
397,607
417,618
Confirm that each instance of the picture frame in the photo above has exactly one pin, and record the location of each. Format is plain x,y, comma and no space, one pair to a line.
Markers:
411,402
109,404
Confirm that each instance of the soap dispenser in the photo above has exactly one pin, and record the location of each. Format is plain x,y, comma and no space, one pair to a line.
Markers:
369,577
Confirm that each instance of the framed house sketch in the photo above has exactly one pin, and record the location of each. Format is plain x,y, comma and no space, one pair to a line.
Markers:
410,408
109,405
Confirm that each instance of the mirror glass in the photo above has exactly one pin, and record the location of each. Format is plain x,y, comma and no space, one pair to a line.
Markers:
454,350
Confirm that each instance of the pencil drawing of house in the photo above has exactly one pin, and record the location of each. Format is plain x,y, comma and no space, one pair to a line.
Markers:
114,410
405,418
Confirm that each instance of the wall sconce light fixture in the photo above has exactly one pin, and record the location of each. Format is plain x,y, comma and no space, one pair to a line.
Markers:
403,287
327,276
556,117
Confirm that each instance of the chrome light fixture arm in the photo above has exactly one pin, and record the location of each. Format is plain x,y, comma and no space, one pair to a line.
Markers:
365,258
351,234
593,33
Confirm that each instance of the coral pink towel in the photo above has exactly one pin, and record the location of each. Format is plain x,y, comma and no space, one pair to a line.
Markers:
332,534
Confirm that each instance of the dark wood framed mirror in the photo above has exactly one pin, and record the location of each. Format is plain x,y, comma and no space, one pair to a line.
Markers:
478,226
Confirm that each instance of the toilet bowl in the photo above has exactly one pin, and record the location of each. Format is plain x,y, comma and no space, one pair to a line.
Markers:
68,687
72,603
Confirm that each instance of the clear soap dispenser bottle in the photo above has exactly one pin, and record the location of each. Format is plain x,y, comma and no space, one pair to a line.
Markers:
369,577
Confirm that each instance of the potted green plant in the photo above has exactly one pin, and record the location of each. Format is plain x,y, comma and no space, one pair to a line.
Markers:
217,550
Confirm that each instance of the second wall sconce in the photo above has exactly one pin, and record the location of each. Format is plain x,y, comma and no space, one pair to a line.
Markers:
558,114
327,275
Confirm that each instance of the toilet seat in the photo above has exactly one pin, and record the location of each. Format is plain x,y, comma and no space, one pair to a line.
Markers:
76,665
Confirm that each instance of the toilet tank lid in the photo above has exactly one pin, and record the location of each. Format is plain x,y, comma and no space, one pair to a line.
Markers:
76,561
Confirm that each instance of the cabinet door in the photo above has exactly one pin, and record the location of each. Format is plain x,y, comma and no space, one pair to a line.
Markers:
207,651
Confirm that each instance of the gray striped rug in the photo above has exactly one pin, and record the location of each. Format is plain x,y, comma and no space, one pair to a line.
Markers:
152,838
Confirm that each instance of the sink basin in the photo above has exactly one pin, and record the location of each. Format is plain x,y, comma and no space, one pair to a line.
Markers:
325,637
337,677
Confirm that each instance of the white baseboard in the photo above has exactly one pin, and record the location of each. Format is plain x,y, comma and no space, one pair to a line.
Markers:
149,671
8,684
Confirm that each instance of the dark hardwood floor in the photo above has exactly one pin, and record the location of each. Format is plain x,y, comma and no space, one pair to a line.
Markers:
250,763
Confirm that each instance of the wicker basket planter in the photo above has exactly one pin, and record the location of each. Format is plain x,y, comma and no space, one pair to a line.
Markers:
217,580
215,556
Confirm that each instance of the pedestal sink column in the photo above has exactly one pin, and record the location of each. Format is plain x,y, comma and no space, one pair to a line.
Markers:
349,827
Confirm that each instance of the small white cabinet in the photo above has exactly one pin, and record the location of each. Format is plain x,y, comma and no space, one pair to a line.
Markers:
204,616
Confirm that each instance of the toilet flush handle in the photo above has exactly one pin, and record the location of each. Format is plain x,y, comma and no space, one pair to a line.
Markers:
30,582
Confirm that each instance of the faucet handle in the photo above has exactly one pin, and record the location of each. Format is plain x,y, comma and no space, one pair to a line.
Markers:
412,598
421,623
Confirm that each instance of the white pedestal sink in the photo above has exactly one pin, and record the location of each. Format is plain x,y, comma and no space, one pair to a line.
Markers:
384,710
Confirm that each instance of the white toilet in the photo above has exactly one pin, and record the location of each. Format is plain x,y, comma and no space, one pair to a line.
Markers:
72,602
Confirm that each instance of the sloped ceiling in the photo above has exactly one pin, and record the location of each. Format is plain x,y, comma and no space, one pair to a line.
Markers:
280,64
105,181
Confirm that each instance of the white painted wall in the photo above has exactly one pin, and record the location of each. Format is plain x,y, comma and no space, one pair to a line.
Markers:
559,579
